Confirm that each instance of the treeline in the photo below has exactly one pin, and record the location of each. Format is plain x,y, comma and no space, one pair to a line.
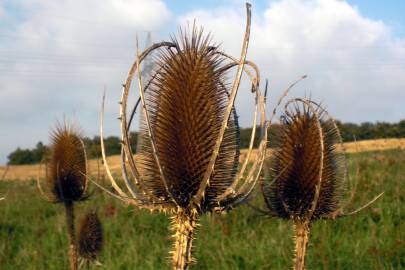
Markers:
349,131
368,131
93,150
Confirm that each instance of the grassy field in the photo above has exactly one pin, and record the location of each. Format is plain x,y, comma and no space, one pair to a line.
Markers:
32,231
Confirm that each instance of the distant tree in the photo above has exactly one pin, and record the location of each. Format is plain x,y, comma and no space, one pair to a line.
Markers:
39,152
20,156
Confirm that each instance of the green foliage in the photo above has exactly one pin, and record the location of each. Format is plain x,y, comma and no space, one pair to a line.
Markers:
27,156
112,145
241,239
367,130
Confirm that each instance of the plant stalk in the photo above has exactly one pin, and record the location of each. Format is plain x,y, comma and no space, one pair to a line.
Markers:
183,224
301,230
71,234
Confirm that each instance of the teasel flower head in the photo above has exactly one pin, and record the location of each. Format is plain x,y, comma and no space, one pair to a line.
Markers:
90,237
66,177
307,171
187,161
305,177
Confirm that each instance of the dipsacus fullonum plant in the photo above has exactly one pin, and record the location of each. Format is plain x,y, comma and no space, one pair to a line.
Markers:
66,177
187,161
90,238
305,177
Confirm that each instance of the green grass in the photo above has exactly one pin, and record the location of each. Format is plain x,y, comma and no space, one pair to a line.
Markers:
33,236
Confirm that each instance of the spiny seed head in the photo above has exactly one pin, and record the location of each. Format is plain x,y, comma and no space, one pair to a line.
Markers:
90,236
187,102
293,171
66,166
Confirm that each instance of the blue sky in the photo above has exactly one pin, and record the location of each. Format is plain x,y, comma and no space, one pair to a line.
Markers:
390,11
56,57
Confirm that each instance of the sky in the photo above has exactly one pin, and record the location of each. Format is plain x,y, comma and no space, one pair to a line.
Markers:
56,57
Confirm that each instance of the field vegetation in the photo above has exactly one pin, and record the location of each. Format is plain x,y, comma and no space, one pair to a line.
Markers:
31,230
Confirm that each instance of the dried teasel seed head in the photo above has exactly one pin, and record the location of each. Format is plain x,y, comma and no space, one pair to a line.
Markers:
187,102
306,158
66,174
90,236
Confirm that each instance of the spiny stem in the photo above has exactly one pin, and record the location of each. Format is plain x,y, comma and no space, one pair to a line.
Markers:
71,234
301,230
184,223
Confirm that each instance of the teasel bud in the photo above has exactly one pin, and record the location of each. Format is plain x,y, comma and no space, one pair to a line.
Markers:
90,238
188,155
66,177
305,177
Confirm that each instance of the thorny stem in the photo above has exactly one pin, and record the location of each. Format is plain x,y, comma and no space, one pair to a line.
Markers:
301,230
184,223
71,234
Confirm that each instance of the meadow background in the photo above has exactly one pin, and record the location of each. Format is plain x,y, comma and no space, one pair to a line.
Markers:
57,57
33,236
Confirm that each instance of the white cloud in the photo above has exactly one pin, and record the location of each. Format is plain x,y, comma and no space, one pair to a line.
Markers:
56,57
355,65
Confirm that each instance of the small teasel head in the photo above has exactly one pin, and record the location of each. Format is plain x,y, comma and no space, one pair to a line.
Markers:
66,172
304,179
90,237
305,176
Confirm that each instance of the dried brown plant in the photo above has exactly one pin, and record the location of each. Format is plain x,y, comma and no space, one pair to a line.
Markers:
187,161
305,177
66,177
90,238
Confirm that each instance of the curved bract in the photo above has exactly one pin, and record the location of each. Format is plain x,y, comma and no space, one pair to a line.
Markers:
188,155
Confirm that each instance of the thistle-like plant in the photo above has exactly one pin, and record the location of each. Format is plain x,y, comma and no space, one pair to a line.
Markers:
66,177
90,238
305,176
187,161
